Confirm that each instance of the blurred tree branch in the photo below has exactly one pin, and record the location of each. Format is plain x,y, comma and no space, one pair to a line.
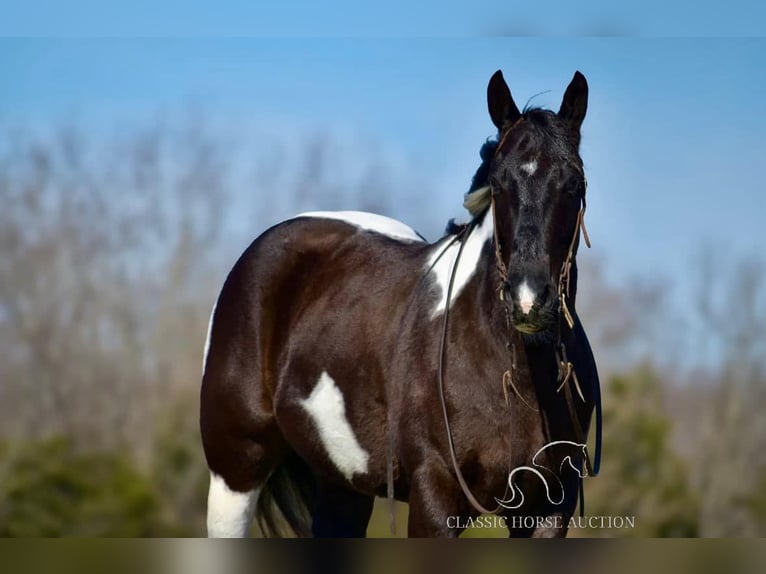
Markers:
104,253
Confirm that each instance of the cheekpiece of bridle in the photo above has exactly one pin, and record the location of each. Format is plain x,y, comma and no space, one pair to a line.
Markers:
566,370
564,274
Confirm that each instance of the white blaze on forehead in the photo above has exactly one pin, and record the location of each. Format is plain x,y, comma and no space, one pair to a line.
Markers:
370,222
530,167
328,411
229,513
442,260
526,298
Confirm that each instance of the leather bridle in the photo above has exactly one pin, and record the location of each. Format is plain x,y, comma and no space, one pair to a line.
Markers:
566,371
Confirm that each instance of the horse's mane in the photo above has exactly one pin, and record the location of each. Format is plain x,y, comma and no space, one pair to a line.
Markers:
477,199
481,177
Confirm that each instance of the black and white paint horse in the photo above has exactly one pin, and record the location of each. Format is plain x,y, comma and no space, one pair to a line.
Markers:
348,358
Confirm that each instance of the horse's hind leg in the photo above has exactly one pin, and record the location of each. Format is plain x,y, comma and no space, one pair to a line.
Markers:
242,442
229,513
341,513
239,469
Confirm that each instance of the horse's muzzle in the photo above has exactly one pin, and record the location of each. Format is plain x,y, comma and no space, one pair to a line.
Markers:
533,304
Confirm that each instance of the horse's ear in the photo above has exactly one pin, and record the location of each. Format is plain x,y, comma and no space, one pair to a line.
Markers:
575,102
502,108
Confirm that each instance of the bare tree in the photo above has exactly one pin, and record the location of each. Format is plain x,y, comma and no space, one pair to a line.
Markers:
104,253
730,428
112,258
622,318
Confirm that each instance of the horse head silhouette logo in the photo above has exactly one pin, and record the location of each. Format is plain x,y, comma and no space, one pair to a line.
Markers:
567,451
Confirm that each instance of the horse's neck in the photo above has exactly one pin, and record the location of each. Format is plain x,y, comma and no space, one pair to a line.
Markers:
491,314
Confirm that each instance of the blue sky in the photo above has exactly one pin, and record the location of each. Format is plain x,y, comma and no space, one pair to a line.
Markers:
301,18
673,144
673,141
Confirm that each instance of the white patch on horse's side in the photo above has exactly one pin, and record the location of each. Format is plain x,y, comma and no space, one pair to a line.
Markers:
442,261
530,167
327,409
370,222
526,298
207,339
229,513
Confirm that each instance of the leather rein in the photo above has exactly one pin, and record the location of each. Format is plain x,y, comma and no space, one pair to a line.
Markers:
566,371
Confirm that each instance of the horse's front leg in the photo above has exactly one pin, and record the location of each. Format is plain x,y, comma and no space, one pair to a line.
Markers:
545,524
554,525
548,520
434,501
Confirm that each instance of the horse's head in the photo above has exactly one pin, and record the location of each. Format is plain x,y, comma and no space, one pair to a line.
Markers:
538,188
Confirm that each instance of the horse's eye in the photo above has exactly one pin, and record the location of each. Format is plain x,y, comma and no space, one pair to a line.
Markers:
574,187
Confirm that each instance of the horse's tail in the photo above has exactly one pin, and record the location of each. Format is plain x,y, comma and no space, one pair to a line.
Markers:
287,499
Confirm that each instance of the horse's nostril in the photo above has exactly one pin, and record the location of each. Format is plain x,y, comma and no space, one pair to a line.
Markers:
548,296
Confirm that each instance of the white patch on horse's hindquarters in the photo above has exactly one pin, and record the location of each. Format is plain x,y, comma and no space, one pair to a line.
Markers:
530,167
229,513
327,409
207,339
370,222
442,260
526,298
